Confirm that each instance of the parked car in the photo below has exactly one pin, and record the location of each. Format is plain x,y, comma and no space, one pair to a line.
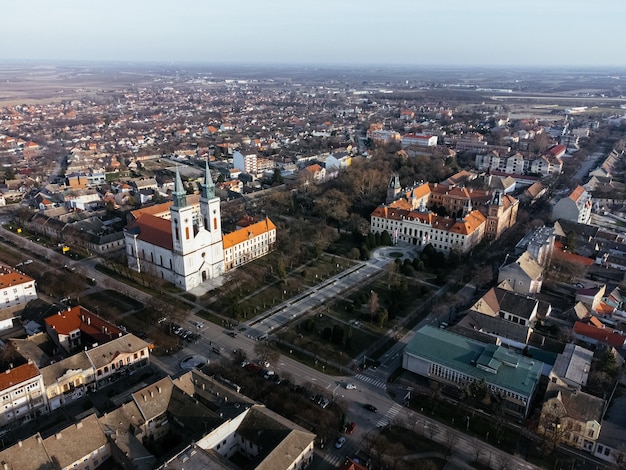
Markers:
369,407
340,442
351,427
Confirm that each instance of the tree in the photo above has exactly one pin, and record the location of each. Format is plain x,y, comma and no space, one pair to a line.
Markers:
281,270
265,352
372,305
277,177
383,316
337,335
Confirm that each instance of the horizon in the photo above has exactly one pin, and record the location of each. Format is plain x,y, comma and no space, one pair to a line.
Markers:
400,33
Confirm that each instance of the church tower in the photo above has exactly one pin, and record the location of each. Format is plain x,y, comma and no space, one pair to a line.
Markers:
212,222
182,219
393,190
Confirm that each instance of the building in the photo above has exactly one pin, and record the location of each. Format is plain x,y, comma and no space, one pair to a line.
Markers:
16,287
455,361
246,163
189,248
423,227
215,427
505,314
471,215
419,140
23,394
525,274
75,327
571,417
539,243
576,207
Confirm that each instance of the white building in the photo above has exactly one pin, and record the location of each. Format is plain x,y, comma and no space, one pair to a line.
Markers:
189,248
22,394
576,207
245,163
419,140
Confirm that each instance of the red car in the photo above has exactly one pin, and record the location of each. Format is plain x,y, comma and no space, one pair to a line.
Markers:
351,427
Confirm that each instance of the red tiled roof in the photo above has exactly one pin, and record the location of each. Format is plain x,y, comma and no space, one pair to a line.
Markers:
575,195
604,335
571,257
13,278
153,230
79,318
17,375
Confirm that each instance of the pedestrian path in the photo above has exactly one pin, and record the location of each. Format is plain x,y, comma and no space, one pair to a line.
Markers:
389,416
380,383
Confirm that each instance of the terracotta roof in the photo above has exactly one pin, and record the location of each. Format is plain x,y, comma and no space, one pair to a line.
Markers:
79,318
314,168
153,230
577,193
241,235
604,335
17,375
14,278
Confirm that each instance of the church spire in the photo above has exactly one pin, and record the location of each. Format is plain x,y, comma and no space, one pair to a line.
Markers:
208,188
180,195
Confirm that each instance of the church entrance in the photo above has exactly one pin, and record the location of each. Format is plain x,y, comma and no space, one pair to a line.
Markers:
204,276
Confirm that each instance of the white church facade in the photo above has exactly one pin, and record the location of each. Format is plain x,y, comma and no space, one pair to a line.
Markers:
182,241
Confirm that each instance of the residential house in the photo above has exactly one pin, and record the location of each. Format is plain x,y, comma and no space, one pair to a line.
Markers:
595,333
80,446
118,357
68,380
525,274
576,207
314,174
572,367
571,417
16,289
22,393
506,314
76,327
539,243
338,161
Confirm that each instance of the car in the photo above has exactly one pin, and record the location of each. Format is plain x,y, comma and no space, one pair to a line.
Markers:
350,387
351,427
340,442
232,334
369,407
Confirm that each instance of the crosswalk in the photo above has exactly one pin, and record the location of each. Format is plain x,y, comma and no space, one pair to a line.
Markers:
391,413
372,380
335,460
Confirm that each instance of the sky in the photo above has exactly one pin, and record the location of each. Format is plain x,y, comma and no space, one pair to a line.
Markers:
544,33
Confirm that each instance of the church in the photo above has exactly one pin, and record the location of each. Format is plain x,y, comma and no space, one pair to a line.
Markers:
182,241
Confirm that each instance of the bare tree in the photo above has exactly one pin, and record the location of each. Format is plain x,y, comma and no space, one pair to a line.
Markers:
372,305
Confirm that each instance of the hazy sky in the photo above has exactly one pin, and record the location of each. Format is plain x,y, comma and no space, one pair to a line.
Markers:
413,32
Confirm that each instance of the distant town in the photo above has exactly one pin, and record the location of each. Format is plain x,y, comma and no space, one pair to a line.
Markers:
287,268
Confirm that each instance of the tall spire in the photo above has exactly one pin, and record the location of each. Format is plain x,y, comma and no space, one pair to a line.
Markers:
180,195
208,188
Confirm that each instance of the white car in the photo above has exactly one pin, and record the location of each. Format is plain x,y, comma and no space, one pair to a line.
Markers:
340,442
350,387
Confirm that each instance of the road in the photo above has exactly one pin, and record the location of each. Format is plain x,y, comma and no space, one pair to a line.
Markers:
371,385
